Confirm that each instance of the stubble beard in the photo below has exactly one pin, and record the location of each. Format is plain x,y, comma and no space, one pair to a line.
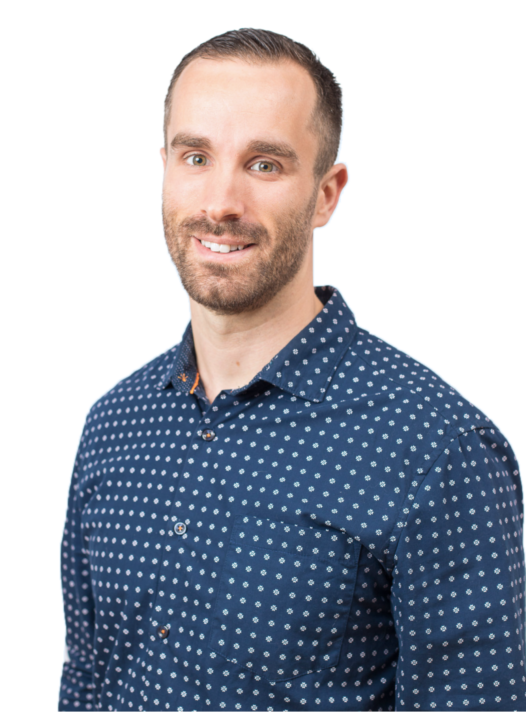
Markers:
231,288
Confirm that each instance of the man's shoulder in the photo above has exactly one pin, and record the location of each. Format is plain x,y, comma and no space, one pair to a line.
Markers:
407,380
144,381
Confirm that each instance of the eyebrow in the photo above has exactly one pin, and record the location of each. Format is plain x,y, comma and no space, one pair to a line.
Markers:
279,149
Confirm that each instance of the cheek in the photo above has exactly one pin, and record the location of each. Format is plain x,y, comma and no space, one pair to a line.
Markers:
282,205
269,203
173,191
176,182
177,206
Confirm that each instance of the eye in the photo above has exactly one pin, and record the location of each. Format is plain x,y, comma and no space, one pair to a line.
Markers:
196,159
264,167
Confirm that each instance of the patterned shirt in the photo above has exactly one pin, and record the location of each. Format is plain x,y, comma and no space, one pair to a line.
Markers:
342,533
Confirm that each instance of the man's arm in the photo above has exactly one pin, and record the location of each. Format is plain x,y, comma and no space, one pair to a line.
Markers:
458,584
76,690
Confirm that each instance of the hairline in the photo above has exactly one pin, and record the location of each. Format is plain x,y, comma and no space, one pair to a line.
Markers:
315,123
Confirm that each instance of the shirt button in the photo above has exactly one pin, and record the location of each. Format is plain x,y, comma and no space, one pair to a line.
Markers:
208,434
180,528
163,631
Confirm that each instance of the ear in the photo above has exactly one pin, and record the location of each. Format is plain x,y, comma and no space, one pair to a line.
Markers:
329,191
163,156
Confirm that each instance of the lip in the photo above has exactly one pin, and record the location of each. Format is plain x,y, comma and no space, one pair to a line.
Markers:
221,256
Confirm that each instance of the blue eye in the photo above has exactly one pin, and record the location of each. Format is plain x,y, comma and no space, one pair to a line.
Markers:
263,167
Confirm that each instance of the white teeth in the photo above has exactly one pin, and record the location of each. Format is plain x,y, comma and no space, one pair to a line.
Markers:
216,247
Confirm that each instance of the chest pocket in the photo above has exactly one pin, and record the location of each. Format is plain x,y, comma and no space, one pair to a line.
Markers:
284,597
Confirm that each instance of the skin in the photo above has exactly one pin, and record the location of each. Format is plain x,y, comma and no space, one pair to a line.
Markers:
250,126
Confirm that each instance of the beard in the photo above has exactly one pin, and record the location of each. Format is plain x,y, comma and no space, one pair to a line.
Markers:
231,288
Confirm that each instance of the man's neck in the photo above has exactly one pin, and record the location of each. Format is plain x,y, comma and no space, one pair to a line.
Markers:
232,349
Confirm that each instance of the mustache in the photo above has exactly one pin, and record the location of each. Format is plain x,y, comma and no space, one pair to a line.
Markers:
251,232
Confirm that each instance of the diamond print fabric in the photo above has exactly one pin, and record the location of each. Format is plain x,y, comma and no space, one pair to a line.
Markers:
398,499
292,586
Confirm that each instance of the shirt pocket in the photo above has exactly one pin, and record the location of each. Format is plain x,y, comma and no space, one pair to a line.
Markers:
284,597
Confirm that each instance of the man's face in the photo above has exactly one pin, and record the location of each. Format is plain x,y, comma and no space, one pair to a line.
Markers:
239,177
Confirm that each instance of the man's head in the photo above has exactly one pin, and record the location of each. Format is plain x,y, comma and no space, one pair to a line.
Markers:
263,46
252,124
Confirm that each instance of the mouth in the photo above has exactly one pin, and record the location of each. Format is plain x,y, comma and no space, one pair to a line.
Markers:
221,249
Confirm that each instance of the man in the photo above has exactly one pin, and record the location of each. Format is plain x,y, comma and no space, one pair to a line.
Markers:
283,512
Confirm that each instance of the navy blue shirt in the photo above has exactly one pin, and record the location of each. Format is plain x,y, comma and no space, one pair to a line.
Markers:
344,532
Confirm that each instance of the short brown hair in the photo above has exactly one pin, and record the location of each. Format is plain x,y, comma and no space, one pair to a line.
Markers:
265,46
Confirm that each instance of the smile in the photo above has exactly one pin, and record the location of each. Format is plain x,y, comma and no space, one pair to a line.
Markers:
221,252
217,247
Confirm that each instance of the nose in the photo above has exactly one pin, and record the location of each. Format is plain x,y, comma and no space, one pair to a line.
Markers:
224,199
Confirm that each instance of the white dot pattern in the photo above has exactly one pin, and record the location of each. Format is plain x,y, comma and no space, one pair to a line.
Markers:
353,539
310,570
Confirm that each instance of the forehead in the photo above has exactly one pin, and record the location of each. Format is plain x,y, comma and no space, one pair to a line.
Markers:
231,96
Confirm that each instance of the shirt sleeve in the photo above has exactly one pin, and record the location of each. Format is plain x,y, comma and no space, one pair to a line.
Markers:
458,583
77,689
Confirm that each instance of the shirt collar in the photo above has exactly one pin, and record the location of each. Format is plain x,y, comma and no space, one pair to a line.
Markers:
304,367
